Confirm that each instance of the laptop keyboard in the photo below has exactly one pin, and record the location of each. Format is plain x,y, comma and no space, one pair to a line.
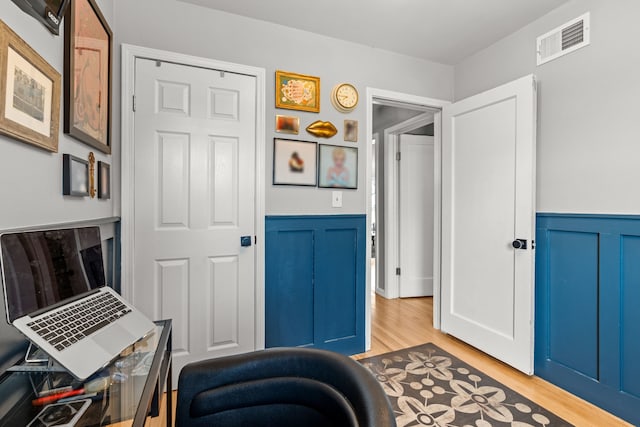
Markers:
77,321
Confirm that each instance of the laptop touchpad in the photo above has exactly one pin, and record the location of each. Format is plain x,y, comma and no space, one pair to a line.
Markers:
114,339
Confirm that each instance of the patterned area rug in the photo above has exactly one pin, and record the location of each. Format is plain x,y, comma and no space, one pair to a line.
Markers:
429,387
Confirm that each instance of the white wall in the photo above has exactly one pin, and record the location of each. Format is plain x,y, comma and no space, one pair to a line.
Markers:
589,114
31,178
175,26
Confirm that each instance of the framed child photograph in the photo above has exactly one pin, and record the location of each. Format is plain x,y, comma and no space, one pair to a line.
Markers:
338,167
294,162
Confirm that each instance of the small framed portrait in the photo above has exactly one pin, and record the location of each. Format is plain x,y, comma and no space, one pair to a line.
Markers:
351,131
75,176
29,93
104,180
297,92
287,124
294,162
338,167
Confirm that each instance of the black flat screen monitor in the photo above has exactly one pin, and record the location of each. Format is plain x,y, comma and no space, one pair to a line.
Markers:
49,12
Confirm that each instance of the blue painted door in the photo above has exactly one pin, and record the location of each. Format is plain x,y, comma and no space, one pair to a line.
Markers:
315,282
587,308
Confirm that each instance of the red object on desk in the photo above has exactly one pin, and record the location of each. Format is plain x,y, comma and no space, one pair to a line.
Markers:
41,401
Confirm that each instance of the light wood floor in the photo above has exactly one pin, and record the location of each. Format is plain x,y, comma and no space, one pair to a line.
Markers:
402,323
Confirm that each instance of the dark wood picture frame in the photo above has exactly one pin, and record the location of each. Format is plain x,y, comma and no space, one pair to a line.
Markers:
34,114
104,180
88,58
75,176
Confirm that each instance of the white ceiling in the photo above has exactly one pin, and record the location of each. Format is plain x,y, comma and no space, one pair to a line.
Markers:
445,31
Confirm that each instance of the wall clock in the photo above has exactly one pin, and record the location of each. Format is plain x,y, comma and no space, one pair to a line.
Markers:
344,97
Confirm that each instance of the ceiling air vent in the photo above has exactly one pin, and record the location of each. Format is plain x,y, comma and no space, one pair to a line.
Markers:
565,39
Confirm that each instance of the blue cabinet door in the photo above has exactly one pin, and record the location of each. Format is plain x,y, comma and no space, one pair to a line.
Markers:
587,308
315,282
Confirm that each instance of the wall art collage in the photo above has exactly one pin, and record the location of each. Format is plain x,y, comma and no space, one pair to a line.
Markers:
30,92
308,163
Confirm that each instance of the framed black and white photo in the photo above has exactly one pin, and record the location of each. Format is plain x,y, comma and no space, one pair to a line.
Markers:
104,180
338,167
294,162
75,176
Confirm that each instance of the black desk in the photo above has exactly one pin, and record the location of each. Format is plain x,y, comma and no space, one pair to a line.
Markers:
138,379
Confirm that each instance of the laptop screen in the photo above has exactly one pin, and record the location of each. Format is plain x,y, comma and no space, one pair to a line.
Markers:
43,268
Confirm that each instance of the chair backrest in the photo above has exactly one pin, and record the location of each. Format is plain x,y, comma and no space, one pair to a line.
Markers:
283,387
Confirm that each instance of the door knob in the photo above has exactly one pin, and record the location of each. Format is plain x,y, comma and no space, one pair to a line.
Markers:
519,244
245,241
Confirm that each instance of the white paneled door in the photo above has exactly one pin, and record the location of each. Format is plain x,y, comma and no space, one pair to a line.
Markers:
416,215
488,221
194,201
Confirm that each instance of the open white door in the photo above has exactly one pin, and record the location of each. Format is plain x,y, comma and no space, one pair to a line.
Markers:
488,208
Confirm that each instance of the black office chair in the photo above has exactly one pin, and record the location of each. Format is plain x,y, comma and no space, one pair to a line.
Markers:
281,387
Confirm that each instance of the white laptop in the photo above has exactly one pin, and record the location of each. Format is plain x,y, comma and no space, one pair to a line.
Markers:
56,295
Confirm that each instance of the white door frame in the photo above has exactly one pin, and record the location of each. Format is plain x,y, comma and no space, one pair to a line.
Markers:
129,55
391,199
400,99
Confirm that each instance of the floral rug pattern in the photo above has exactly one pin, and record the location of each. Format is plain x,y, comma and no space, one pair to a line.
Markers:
429,387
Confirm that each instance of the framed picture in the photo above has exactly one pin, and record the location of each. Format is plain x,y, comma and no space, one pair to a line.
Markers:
294,162
88,49
297,92
351,130
75,176
104,180
287,124
29,93
338,167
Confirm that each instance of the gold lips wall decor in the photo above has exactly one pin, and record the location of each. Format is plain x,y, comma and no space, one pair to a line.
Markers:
322,129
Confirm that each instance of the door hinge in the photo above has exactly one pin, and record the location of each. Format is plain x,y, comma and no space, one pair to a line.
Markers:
134,103
398,156
397,271
255,240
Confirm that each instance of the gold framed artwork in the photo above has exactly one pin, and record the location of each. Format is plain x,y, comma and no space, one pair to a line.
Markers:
297,92
29,93
351,130
287,124
87,75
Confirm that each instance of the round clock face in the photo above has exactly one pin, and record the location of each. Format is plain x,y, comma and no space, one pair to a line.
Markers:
346,97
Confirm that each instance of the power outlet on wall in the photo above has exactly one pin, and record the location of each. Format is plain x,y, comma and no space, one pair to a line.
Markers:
336,199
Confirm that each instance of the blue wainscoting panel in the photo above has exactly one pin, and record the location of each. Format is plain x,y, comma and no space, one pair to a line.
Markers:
573,273
315,282
630,316
289,319
587,308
